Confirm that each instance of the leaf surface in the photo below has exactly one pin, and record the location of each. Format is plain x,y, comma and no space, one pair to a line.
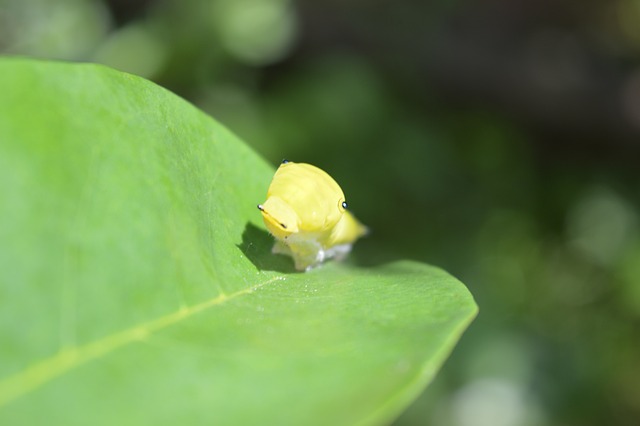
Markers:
137,284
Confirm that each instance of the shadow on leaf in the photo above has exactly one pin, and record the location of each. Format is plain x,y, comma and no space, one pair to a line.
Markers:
256,246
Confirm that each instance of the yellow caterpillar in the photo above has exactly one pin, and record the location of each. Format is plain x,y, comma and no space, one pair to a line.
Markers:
306,212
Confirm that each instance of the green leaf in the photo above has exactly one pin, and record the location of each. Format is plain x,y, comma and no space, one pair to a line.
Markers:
137,286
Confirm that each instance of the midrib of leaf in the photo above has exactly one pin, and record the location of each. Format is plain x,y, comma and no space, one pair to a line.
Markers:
42,372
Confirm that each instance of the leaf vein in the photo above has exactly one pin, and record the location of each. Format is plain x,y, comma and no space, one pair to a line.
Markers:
44,371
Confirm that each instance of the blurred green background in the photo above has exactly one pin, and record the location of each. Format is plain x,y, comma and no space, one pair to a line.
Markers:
498,139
